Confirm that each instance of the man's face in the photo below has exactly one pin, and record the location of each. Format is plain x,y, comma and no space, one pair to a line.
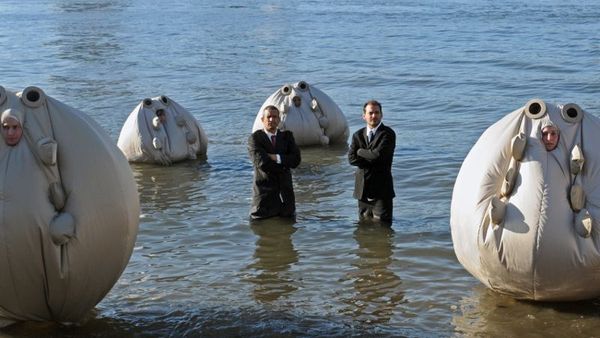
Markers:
372,115
12,131
550,137
270,120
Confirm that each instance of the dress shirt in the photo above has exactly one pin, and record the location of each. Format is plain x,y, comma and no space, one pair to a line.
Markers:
374,130
275,134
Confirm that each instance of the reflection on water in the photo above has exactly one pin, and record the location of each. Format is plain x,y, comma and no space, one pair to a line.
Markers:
178,190
274,255
378,290
198,267
322,181
488,314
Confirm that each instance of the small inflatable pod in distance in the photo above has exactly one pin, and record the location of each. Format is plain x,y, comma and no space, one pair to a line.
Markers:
313,117
161,131
69,210
526,204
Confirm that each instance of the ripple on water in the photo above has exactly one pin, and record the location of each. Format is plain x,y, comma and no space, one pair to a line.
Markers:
444,71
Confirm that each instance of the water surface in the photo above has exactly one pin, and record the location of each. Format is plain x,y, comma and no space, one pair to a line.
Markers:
444,71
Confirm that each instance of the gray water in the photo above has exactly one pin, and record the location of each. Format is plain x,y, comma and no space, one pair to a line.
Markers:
444,71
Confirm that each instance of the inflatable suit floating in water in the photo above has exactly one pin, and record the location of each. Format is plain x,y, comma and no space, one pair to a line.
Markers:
524,220
161,131
309,113
69,211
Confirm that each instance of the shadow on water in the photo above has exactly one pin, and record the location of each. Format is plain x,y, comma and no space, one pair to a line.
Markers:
378,290
204,322
274,255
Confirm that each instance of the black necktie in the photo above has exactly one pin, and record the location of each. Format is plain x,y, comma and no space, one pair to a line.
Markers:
273,140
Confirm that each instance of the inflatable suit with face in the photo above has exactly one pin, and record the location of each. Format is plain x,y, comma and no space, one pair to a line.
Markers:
309,113
177,137
69,212
524,219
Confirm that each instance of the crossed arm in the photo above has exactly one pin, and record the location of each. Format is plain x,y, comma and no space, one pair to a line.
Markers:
360,155
267,162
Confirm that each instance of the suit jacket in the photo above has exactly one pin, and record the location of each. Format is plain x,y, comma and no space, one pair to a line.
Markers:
273,193
373,177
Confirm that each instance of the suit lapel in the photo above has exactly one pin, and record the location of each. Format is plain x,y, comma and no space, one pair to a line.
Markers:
365,136
277,140
375,137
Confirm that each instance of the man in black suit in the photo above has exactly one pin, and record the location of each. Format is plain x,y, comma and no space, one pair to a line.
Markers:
372,151
273,153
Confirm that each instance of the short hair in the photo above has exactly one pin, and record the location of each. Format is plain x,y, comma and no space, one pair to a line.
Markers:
374,103
269,108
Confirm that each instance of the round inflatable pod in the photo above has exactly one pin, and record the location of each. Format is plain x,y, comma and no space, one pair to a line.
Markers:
525,211
313,117
161,131
69,210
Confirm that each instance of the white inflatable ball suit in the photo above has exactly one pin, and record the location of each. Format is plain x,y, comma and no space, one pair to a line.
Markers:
524,217
148,138
69,211
309,113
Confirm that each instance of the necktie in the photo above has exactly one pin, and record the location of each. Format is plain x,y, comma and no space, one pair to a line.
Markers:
370,136
273,140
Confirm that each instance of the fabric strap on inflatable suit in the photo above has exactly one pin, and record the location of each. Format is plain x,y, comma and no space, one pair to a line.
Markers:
576,194
38,133
191,137
159,150
316,108
583,220
497,207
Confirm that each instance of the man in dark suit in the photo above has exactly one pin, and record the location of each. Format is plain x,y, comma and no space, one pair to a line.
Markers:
372,151
273,153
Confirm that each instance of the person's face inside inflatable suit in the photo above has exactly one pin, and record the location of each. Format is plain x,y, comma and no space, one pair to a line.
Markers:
550,137
12,130
297,100
161,115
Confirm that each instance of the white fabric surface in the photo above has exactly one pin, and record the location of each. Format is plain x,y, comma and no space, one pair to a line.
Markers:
69,212
536,253
144,139
320,124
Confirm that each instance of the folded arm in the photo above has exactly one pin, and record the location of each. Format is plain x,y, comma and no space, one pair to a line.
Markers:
382,152
260,158
292,157
353,157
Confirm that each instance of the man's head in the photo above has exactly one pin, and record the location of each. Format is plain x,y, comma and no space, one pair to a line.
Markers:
12,128
270,118
372,113
550,135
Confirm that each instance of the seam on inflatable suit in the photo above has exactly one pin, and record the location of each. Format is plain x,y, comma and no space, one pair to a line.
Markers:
537,239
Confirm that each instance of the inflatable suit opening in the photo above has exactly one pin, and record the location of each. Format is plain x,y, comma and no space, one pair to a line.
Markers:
313,117
524,215
69,211
161,131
